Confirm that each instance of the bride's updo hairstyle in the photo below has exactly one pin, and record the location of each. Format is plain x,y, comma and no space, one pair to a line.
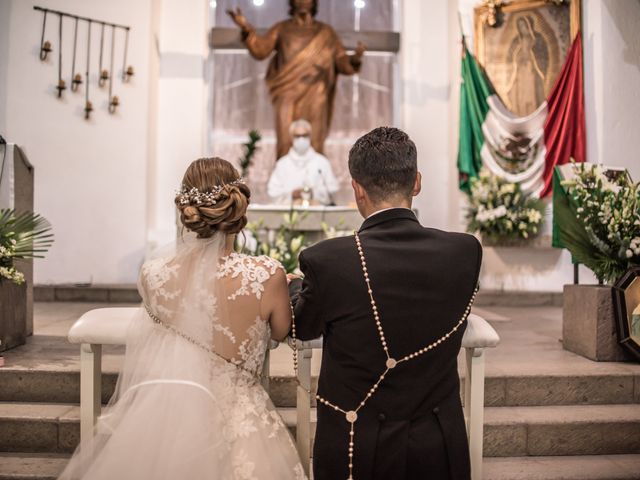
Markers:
212,198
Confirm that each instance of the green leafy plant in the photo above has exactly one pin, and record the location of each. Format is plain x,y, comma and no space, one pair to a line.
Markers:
22,235
606,237
501,212
250,148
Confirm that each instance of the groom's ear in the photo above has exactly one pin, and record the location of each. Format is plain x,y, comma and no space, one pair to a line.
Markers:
358,190
417,186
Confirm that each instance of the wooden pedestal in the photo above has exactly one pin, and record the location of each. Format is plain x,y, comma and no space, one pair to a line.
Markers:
588,323
13,314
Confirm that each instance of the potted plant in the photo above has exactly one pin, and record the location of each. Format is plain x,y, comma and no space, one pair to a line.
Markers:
501,213
597,218
24,235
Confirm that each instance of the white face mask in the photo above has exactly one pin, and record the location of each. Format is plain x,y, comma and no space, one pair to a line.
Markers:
301,145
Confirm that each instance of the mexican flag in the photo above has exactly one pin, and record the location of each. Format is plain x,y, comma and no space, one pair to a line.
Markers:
526,149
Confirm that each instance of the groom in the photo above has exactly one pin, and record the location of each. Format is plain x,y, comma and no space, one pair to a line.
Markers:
411,425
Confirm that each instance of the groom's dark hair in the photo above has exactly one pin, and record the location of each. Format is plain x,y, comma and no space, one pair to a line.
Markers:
385,163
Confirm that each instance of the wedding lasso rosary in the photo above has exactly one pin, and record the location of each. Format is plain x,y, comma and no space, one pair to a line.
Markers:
351,416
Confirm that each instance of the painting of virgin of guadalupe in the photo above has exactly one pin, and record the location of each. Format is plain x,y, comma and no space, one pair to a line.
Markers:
523,47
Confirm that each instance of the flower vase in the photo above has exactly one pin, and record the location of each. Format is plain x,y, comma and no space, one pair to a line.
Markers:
13,314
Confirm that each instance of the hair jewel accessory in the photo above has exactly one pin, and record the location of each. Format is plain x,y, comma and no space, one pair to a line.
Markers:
186,195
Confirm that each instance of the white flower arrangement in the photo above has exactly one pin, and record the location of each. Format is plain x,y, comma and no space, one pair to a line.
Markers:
283,245
609,211
286,243
500,212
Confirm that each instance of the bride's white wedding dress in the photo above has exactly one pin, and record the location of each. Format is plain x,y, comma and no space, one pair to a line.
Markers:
189,403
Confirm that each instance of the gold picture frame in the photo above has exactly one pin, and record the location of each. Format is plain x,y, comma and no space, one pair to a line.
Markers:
522,45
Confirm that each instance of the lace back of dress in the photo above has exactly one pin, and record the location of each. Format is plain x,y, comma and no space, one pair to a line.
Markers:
210,299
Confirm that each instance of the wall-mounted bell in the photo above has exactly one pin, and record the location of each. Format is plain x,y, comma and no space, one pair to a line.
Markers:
45,50
113,104
76,82
88,108
129,72
61,87
104,76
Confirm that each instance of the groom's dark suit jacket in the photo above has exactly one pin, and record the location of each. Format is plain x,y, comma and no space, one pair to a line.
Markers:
422,280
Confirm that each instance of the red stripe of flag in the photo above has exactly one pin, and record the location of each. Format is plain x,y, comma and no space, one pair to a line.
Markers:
564,127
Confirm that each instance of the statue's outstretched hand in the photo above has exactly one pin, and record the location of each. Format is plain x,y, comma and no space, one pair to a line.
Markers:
238,18
360,49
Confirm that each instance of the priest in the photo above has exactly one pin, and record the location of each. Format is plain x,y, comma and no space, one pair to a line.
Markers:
302,170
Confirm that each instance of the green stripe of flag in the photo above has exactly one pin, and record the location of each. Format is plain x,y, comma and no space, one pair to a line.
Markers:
474,91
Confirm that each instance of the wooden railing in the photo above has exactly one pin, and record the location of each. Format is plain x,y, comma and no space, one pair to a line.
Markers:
108,326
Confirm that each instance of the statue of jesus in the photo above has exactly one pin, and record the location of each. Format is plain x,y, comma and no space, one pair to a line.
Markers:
302,74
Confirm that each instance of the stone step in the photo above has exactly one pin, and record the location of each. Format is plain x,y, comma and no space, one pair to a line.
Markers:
509,431
63,386
39,427
562,430
31,466
590,467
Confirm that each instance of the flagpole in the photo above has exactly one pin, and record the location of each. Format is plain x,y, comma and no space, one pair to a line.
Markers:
464,40
460,24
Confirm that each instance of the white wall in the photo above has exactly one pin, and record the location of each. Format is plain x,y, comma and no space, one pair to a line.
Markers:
181,108
90,175
5,13
612,82
426,85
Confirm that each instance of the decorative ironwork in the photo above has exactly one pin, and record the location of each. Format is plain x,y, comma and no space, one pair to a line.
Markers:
127,72
88,106
61,84
114,101
104,75
45,46
76,78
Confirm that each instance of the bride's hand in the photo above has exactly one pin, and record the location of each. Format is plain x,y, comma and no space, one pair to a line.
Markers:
291,277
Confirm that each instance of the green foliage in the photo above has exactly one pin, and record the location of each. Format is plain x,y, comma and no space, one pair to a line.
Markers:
22,235
606,237
501,212
250,148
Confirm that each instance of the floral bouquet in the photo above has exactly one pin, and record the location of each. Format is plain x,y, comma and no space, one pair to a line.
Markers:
608,209
283,245
24,235
501,212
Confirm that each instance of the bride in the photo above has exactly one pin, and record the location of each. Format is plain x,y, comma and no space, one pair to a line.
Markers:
188,402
